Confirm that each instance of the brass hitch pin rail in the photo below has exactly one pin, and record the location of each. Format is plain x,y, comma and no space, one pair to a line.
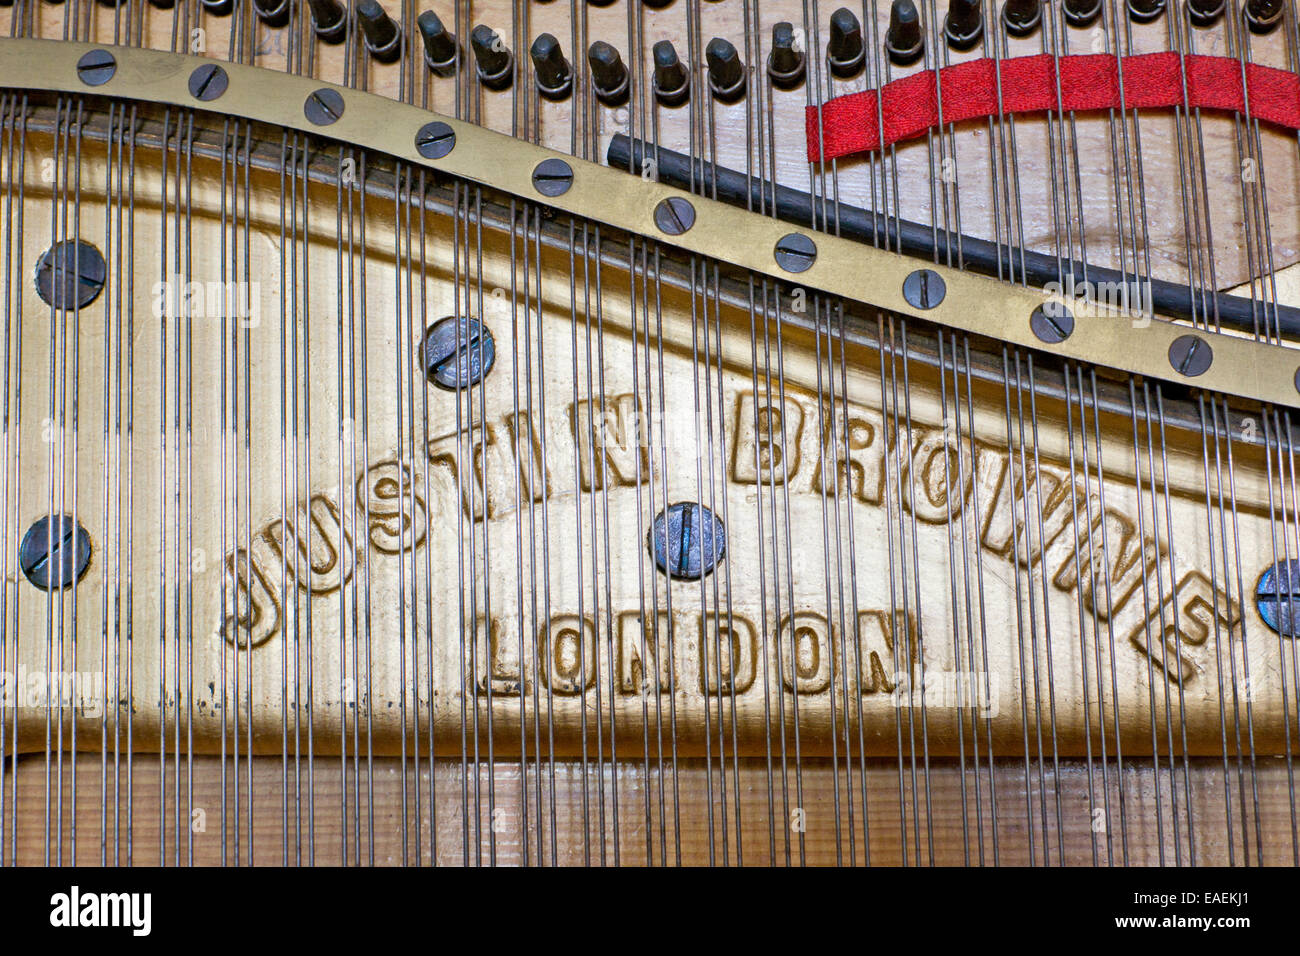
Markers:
842,267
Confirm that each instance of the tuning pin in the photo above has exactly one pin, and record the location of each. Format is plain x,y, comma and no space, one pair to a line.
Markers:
1262,16
160,4
1143,11
329,19
1081,13
609,76
440,47
904,42
671,81
1204,13
845,50
1021,17
218,8
554,76
383,36
726,70
964,24
496,64
785,64
274,13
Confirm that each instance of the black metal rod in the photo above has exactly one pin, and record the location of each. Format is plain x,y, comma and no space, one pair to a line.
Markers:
924,242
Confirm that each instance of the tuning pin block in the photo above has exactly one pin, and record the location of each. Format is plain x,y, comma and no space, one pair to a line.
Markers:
609,77
552,73
383,36
845,51
1022,17
496,64
964,24
785,64
672,84
726,70
440,47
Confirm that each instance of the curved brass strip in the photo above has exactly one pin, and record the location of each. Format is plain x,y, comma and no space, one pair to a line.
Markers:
1248,369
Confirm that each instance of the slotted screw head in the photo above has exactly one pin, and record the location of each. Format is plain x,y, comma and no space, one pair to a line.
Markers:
1052,323
1277,596
687,540
795,252
458,352
208,82
674,215
924,289
552,177
54,554
70,275
323,107
435,140
96,67
1190,355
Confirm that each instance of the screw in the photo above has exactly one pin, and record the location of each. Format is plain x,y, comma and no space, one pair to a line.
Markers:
48,555
1143,11
1278,597
1021,17
70,275
329,19
383,35
785,64
671,81
904,42
553,75
440,47
274,13
726,70
435,140
324,107
964,23
687,540
96,67
1052,323
674,215
552,177
795,252
924,289
845,50
458,352
1204,13
1262,16
208,82
1190,355
1080,13
496,64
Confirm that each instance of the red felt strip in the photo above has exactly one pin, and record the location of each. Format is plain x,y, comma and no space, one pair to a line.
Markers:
908,107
